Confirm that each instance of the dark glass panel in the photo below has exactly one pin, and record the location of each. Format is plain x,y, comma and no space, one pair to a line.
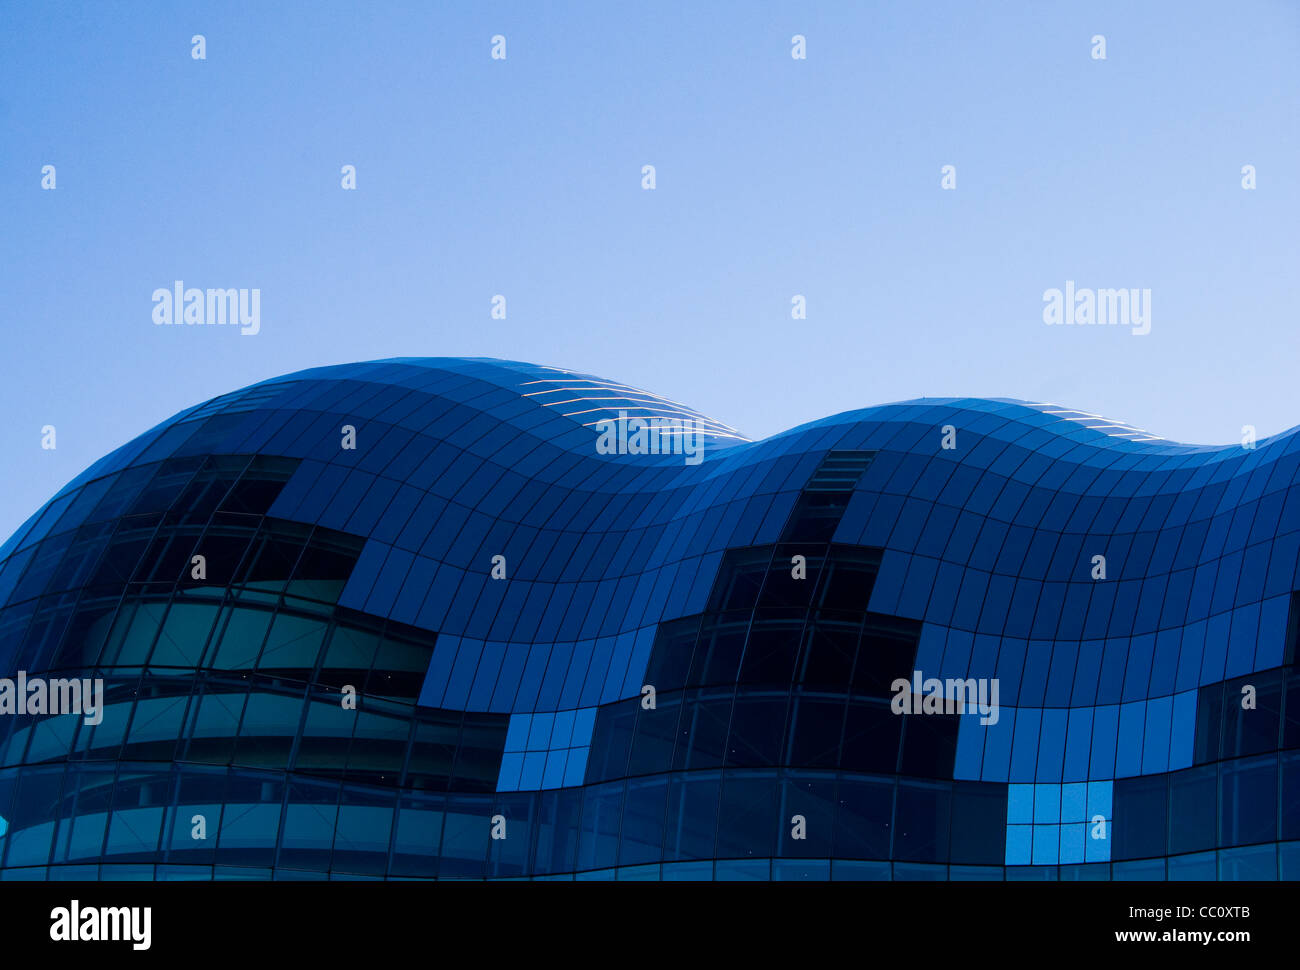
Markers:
365,823
166,486
871,737
718,653
830,648
310,819
979,824
816,516
924,812
850,576
816,724
602,812
789,584
433,751
260,485
740,578
656,734
1248,801
1252,729
771,649
887,652
611,740
642,836
693,808
250,820
557,830
1193,800
378,749
748,815
670,659
929,744
1209,723
702,729
1140,817
757,729
864,820
266,734
811,797
511,856
478,760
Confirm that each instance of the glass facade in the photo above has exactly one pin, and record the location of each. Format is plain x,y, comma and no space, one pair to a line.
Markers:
404,619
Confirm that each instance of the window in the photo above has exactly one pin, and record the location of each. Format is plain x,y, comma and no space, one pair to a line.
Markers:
1140,817
748,814
979,813
864,820
642,836
1248,801
757,729
1193,799
924,810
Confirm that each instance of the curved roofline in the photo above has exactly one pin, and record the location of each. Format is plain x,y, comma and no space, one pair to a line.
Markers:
1103,431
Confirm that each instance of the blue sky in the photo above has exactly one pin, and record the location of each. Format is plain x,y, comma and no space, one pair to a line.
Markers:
775,177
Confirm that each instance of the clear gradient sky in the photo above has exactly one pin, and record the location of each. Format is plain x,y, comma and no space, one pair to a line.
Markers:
775,177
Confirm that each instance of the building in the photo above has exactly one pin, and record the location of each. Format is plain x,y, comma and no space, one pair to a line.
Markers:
471,618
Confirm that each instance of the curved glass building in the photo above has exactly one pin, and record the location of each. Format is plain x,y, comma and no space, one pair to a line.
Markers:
444,618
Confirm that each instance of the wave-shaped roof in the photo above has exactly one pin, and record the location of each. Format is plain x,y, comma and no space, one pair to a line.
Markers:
988,518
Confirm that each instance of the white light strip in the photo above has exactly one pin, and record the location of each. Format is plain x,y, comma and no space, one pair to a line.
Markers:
1096,422
621,397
